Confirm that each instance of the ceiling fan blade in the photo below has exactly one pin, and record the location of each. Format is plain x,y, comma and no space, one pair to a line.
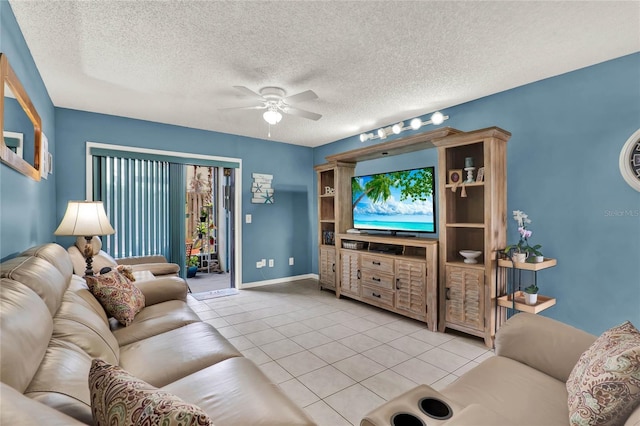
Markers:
308,95
302,113
248,92
245,107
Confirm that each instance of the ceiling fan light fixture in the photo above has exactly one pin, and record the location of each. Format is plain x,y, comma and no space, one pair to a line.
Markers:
272,116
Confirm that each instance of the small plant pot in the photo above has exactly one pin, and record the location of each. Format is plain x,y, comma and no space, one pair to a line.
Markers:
538,259
191,271
531,299
203,218
519,257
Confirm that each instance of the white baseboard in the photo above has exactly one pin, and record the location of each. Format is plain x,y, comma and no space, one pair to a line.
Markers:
278,280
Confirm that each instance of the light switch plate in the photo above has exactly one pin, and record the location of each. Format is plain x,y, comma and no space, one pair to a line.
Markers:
247,218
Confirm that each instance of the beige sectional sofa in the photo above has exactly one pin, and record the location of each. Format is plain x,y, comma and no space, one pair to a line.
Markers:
51,327
524,384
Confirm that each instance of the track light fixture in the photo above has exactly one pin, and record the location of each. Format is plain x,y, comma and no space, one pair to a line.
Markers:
415,124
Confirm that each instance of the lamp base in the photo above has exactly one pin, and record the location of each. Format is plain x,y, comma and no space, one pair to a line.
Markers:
88,254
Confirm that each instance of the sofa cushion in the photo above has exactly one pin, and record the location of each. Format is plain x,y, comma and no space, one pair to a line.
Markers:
40,276
511,389
25,337
178,352
154,320
118,398
54,254
61,380
18,409
237,392
604,386
119,297
78,323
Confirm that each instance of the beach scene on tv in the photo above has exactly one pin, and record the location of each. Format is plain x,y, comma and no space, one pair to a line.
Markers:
394,201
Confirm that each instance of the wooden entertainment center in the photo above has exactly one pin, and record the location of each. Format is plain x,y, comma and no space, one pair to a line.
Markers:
422,278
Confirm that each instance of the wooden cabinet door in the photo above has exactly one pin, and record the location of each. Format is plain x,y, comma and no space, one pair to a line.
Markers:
410,286
464,300
350,278
328,267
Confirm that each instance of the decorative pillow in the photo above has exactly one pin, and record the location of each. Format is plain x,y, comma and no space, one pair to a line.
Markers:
118,398
119,298
604,386
127,271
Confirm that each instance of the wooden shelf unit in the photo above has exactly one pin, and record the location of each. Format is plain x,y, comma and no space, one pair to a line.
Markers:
334,192
512,298
472,216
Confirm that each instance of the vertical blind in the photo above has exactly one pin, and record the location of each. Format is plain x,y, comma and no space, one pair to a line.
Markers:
135,194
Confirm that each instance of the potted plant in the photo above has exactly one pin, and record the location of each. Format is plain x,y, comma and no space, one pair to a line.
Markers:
204,213
522,250
531,294
535,253
192,266
201,229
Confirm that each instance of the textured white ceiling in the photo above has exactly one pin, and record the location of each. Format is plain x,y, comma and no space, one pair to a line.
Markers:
371,63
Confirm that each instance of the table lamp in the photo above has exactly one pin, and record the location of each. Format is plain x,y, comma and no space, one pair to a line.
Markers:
86,219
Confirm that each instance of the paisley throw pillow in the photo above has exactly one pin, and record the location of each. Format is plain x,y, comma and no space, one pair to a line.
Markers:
117,295
118,398
604,386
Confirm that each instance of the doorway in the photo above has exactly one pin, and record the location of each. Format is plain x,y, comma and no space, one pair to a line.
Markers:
209,228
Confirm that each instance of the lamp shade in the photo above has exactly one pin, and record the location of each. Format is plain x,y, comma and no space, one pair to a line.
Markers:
272,116
85,218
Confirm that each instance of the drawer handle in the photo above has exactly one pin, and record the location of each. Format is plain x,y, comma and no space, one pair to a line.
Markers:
375,279
376,295
375,263
397,283
359,275
333,267
447,296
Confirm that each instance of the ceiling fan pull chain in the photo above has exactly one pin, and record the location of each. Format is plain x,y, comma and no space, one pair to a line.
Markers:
269,133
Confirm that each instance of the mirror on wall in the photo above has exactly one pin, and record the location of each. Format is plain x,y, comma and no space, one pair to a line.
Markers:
20,145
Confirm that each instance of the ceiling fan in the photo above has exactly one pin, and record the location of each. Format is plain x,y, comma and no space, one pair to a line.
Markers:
276,103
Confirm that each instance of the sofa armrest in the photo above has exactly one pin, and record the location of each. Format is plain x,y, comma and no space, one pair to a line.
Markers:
135,260
163,289
545,344
18,409
157,269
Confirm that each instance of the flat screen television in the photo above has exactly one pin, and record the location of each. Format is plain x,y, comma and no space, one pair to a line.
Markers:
401,201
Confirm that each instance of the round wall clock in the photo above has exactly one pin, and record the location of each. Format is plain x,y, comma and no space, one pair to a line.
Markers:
630,161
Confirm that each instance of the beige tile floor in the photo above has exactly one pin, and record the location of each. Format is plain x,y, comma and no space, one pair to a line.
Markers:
336,358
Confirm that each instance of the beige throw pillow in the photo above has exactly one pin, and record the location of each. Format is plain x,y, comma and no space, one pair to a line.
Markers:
604,386
119,399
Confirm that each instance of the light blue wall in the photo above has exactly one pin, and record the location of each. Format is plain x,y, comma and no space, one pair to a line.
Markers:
27,207
278,231
563,171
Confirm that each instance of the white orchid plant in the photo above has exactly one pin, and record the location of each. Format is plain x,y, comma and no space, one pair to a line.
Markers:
523,246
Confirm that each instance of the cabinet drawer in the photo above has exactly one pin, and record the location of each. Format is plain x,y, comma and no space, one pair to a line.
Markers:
375,278
377,296
377,263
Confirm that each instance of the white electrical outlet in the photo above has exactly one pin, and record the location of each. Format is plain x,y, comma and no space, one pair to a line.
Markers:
264,263
290,261
270,263
247,218
259,264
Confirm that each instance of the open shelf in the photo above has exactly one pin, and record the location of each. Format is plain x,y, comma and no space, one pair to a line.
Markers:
529,266
543,302
464,225
459,185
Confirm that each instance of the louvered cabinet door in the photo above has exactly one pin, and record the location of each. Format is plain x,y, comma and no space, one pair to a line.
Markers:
328,267
410,286
350,278
465,297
